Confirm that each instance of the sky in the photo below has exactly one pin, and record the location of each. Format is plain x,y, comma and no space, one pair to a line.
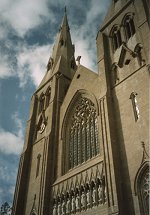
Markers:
28,31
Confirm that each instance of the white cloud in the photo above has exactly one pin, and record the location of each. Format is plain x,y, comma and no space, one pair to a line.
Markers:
84,36
32,62
5,68
10,143
24,15
18,124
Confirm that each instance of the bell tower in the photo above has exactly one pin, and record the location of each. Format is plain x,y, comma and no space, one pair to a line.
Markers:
38,160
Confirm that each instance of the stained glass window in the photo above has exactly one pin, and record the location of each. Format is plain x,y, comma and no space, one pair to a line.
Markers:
83,133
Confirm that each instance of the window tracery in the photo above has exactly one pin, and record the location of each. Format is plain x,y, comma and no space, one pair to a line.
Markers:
83,133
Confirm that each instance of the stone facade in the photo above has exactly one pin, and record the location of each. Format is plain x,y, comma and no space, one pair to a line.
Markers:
86,144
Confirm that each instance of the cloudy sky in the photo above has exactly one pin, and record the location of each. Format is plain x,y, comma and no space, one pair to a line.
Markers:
27,33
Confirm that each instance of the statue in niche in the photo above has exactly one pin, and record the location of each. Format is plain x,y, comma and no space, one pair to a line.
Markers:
83,200
72,62
68,206
100,193
94,195
73,204
88,198
61,42
59,208
54,210
77,202
50,63
138,53
63,207
115,72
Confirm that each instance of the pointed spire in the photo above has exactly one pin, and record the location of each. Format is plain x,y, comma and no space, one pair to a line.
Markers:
62,58
63,46
65,20
65,9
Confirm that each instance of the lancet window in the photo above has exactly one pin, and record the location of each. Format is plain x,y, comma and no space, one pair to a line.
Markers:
41,103
129,26
48,96
135,105
38,165
116,38
83,133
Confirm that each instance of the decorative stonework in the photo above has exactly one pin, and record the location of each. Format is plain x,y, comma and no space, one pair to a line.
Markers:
80,192
82,198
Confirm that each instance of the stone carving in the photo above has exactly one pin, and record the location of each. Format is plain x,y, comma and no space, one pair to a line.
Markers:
59,208
73,204
78,60
88,198
77,202
83,200
63,207
72,63
138,53
94,195
100,193
68,206
50,63
115,71
54,210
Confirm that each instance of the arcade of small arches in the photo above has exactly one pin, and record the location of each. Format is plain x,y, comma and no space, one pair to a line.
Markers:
81,198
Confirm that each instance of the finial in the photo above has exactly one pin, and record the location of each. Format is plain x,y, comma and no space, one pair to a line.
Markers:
145,154
78,60
65,9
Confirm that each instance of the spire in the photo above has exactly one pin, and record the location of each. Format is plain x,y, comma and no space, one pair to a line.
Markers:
62,58
63,47
65,20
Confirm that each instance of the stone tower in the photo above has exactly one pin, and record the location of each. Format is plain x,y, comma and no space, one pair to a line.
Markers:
86,145
37,169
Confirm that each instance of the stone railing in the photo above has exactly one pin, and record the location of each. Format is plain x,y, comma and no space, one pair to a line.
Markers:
78,192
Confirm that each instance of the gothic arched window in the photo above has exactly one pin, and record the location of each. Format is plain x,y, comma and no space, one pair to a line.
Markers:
116,38
129,26
83,133
48,96
41,102
143,192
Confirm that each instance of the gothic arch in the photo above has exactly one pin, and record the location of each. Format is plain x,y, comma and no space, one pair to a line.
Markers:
80,130
116,38
129,25
77,95
141,187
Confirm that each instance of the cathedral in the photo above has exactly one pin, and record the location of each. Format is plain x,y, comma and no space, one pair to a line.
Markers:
87,135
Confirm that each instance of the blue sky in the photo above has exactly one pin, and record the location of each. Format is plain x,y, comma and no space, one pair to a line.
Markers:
27,33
